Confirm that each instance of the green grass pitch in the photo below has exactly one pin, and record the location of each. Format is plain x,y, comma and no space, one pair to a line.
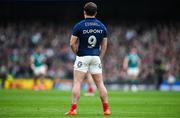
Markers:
53,104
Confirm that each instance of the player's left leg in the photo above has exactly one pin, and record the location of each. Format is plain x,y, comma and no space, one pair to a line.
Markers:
43,72
80,70
78,77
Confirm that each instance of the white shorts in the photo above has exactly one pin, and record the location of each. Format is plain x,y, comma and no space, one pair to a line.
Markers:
91,64
133,72
41,70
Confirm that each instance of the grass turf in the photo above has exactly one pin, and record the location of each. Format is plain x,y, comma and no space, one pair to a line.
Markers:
53,104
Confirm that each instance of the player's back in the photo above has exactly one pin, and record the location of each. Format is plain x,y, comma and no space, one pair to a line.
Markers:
90,33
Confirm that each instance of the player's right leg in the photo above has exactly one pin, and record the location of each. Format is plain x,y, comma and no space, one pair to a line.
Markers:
98,79
78,77
96,72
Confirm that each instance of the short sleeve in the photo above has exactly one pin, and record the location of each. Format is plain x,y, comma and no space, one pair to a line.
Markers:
75,31
105,32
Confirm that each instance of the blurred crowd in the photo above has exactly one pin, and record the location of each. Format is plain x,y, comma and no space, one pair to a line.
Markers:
158,42
157,45
18,42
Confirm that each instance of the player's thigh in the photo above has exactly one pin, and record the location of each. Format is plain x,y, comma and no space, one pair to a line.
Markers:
98,79
133,73
95,66
78,76
43,70
37,71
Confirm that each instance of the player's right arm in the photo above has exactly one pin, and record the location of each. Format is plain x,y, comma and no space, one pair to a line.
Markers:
103,44
125,63
103,48
32,62
73,44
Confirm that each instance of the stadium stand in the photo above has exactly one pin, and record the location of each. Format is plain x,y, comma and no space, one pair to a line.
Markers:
18,42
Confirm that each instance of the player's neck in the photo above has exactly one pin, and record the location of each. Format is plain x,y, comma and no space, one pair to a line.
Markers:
89,16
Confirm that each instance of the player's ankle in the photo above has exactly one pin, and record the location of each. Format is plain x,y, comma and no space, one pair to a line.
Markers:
73,107
105,106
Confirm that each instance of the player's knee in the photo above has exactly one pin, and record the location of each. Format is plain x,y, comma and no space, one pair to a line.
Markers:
75,93
76,90
105,92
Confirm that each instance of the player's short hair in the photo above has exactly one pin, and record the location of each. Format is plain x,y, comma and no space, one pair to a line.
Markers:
90,8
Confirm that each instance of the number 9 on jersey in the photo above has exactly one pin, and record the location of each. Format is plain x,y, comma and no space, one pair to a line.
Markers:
92,41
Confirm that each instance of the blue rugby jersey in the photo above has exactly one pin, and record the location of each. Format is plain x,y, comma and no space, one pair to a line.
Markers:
90,33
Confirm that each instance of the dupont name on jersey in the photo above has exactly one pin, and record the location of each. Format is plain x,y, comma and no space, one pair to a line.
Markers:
90,32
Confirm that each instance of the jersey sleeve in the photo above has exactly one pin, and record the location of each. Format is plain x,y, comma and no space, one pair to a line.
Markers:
105,32
76,31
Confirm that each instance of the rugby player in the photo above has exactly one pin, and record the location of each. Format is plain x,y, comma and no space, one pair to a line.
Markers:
131,65
39,68
91,37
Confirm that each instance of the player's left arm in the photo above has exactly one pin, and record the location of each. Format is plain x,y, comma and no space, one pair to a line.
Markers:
103,47
73,44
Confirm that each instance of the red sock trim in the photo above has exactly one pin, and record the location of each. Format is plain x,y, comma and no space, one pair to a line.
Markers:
73,107
105,106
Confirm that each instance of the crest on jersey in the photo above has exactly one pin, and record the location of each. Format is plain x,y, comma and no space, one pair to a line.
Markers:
79,64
